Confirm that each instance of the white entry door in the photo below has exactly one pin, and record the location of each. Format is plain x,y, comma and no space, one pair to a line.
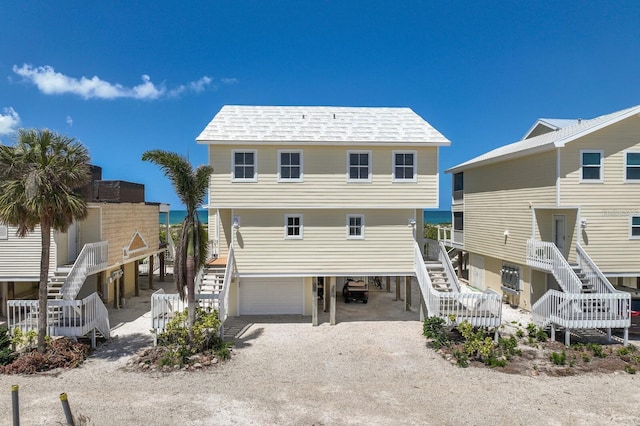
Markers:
559,233
73,236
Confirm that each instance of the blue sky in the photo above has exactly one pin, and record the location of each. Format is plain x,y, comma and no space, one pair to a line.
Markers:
124,77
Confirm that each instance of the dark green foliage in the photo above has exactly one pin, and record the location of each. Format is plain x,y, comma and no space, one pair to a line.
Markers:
537,333
7,355
433,328
559,358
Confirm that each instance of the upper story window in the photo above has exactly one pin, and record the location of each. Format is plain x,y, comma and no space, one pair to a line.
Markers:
404,166
635,227
293,227
290,166
632,167
358,166
244,166
591,166
355,226
458,186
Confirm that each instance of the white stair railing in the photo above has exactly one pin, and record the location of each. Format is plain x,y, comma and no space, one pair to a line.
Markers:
229,272
92,258
595,276
546,256
70,318
444,258
480,309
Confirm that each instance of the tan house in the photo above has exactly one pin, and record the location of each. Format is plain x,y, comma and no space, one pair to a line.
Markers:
308,196
557,210
99,254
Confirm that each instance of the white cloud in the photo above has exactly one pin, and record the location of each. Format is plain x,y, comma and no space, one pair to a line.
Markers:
194,86
9,121
69,120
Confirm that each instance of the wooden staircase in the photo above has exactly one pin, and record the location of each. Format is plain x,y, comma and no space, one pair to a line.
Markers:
212,281
54,288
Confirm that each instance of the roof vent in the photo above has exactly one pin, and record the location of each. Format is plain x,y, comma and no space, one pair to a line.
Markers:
303,116
334,116
579,120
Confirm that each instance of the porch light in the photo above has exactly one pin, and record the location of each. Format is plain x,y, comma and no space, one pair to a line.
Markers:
583,223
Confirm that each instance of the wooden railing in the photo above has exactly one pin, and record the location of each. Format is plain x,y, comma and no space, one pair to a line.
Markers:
451,237
480,309
445,260
595,276
229,272
71,318
546,256
93,257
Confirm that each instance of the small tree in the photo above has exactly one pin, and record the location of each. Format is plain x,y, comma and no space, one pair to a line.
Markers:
38,179
191,251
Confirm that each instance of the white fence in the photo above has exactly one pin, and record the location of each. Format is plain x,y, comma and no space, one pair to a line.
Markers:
71,318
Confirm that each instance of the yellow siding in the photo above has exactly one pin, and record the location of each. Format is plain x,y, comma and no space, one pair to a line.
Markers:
607,206
325,184
90,227
498,198
262,249
120,222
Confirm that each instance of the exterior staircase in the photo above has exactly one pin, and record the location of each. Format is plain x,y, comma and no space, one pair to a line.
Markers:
439,277
54,287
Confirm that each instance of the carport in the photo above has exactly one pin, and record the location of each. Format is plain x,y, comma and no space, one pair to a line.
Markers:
396,289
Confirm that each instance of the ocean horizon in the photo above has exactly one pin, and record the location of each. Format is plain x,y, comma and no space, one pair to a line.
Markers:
434,217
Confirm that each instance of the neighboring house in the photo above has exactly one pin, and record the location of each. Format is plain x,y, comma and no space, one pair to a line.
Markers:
98,254
311,195
567,193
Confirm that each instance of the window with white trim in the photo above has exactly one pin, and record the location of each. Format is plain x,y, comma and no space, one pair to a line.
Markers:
404,166
290,166
635,227
632,166
591,166
244,166
293,229
355,226
358,166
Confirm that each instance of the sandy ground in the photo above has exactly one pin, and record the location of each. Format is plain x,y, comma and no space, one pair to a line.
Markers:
288,372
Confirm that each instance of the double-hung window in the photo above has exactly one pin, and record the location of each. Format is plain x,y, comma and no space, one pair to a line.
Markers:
635,227
591,166
358,166
293,229
244,166
355,226
404,166
290,166
632,166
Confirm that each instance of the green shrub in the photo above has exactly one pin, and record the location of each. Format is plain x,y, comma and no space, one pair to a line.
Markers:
7,355
597,350
434,328
559,358
630,369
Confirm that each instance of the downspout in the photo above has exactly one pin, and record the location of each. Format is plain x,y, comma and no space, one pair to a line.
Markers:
557,177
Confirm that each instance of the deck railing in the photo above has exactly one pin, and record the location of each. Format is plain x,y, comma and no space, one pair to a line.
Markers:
229,272
545,255
70,318
583,311
451,237
480,309
92,258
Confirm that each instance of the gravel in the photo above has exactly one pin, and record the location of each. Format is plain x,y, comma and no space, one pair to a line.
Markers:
356,372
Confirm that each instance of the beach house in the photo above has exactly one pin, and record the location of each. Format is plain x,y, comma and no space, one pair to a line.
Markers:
99,255
553,220
303,199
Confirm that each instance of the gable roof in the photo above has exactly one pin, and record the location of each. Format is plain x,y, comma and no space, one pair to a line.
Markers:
547,141
546,125
319,125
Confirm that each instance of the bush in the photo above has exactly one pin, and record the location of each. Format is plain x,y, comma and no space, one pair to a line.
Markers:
7,355
434,328
559,358
205,338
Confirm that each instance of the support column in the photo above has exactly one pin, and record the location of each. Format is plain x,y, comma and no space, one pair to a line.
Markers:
397,289
407,293
163,266
151,272
332,308
325,293
314,302
116,291
388,284
136,280
460,263
422,309
567,337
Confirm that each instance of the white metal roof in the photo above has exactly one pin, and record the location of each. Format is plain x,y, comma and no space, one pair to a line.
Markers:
551,124
547,141
319,124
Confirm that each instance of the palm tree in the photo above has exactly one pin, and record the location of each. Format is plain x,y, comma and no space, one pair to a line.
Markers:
191,253
38,179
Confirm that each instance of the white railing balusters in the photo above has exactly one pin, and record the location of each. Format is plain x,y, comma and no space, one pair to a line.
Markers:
546,256
92,258
480,309
595,276
444,258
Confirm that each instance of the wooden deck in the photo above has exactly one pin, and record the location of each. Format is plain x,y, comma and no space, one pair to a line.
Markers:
219,262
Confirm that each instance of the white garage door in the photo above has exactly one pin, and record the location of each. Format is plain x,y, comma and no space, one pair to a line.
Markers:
271,296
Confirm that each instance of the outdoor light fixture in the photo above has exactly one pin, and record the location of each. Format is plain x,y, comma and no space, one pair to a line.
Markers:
411,223
583,223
